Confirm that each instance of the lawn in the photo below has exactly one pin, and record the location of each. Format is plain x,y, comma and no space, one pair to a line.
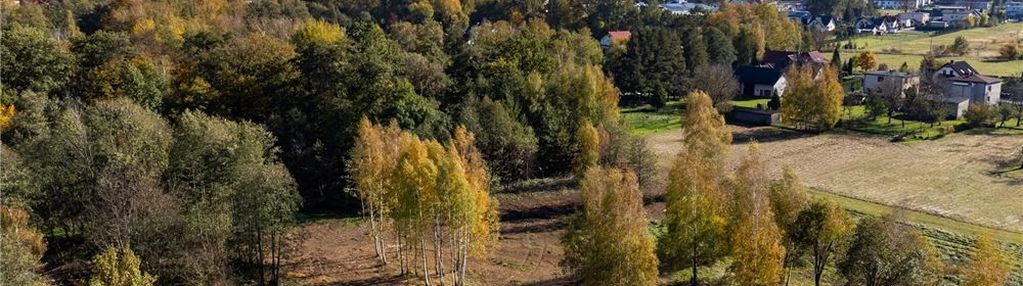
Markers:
994,68
750,103
985,40
646,120
909,47
854,119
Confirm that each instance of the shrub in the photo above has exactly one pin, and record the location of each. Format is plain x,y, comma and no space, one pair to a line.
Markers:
978,115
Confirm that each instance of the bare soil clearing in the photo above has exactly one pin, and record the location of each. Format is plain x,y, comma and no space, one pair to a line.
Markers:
951,177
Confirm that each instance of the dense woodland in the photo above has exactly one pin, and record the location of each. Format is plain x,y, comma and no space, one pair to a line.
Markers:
175,142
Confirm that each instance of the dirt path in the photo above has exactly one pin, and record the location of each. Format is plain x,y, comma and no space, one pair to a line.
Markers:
949,177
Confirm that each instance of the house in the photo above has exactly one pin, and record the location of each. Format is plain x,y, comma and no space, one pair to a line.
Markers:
821,23
761,81
955,16
976,5
681,7
873,80
799,15
879,25
768,78
1014,10
914,18
937,25
901,4
963,86
615,37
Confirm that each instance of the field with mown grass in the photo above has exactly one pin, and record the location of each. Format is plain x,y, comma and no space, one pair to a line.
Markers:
910,46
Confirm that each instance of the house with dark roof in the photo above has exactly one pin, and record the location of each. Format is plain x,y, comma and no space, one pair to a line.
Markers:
768,78
761,81
879,25
963,86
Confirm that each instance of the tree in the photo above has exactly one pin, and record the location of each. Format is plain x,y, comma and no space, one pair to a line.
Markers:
589,148
960,46
836,59
1010,51
979,114
508,145
21,247
812,103
373,160
607,242
788,199
987,266
696,208
119,267
866,61
821,229
894,96
265,206
756,238
34,61
717,81
883,251
719,47
876,105
478,230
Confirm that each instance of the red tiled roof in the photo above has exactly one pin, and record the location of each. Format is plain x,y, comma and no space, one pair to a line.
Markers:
620,35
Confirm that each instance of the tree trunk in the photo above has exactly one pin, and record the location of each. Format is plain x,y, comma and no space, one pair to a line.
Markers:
378,244
426,265
693,281
437,248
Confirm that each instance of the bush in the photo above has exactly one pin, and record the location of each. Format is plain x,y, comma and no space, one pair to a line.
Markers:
978,115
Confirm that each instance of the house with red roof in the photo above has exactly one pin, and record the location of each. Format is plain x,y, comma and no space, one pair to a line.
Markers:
614,38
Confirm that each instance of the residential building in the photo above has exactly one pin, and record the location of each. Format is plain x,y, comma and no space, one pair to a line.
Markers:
956,16
821,23
1014,10
914,18
681,7
615,38
976,5
963,86
879,25
768,78
900,4
873,80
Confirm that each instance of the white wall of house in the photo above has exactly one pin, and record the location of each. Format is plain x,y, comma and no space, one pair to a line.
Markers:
764,90
976,92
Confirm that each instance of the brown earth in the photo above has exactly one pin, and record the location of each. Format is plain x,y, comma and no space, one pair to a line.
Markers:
950,177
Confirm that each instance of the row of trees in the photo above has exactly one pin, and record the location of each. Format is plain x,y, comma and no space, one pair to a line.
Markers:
422,191
767,227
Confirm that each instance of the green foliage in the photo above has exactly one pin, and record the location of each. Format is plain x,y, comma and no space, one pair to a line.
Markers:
119,267
608,242
33,61
589,148
882,251
979,114
508,144
652,62
812,101
960,46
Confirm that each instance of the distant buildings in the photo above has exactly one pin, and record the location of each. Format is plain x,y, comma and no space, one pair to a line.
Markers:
1014,10
879,25
901,4
681,7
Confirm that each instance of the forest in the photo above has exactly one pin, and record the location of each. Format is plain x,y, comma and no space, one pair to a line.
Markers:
176,142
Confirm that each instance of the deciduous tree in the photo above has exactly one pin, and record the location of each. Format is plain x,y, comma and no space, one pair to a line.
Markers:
696,202
607,242
987,266
756,238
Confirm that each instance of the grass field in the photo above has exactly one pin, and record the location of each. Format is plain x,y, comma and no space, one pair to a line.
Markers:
994,68
986,41
910,46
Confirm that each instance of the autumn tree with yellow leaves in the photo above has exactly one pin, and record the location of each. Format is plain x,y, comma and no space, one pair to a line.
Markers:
812,98
607,242
432,196
987,266
756,240
697,206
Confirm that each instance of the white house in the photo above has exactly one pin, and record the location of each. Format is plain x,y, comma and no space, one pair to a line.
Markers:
822,23
963,86
873,80
914,18
681,7
955,16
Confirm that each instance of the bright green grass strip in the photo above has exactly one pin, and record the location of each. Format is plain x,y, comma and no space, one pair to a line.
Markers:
647,123
750,103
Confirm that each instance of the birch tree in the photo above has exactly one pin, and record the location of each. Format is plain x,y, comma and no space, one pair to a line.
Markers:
756,240
696,208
